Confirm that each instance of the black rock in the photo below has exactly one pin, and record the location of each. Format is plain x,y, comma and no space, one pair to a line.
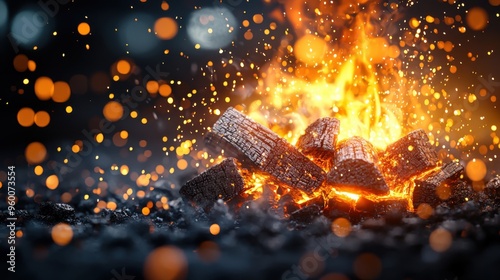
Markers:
56,212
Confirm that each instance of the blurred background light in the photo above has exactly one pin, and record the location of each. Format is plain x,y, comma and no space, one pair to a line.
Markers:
4,14
28,26
212,28
136,35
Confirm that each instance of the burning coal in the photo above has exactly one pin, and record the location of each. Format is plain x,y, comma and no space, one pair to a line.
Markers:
319,170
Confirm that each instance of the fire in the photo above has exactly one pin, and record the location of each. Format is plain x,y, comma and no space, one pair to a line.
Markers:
354,77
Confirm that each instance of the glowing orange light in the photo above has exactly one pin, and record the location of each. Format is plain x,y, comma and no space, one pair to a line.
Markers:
440,240
476,169
477,18
165,90
62,234
113,111
214,229
44,88
38,170
123,67
258,18
25,117
341,227
84,28
31,65
310,49
152,87
164,6
20,63
166,263
35,153
248,35
165,28
182,164
62,92
424,211
42,118
52,182
111,205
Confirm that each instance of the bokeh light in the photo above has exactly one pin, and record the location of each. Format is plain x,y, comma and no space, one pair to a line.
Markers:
42,118
123,67
424,211
25,117
208,251
62,92
83,28
214,229
165,90
367,266
440,240
62,234
38,170
310,49
35,153
341,227
166,263
476,169
113,111
212,28
165,28
44,88
21,62
477,18
28,26
52,182
135,36
4,14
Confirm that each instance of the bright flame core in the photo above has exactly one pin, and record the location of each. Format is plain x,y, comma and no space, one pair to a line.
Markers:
354,77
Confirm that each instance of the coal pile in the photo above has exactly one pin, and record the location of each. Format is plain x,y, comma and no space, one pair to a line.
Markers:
454,241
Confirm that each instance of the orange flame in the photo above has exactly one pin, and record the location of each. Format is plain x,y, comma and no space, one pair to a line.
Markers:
354,77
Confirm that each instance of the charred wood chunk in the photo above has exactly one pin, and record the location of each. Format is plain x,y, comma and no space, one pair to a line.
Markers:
437,186
355,168
257,146
492,189
407,157
319,141
222,181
